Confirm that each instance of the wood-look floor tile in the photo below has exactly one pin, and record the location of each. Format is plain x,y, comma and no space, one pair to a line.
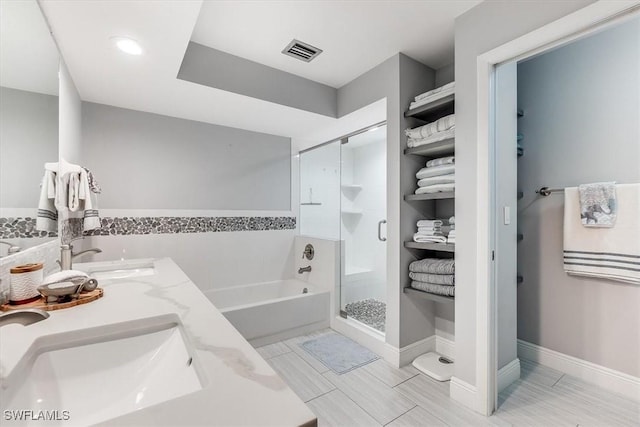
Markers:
336,409
305,381
417,417
273,350
388,374
534,372
378,399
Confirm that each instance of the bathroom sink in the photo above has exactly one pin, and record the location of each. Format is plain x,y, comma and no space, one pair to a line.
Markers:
122,270
101,373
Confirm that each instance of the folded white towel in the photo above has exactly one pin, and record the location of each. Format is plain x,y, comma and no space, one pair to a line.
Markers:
435,91
441,161
427,230
451,240
436,171
425,131
433,95
441,179
607,253
429,223
436,188
421,238
47,216
437,137
433,232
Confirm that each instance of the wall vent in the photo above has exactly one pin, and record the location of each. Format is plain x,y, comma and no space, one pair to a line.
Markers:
302,51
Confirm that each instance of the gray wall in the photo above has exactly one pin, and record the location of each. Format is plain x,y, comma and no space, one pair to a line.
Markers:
445,75
28,139
582,108
485,27
221,70
397,79
149,161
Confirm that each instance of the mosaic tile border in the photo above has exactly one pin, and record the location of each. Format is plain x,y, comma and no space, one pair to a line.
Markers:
22,228
116,226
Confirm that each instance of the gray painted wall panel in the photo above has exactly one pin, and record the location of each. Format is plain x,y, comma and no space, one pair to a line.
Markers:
486,26
221,70
28,139
149,161
445,75
582,108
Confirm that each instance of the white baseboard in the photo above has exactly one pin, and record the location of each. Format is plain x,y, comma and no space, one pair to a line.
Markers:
508,374
615,381
464,393
446,347
406,354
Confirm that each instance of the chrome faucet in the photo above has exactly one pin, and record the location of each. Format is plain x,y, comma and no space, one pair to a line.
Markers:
306,269
67,256
12,248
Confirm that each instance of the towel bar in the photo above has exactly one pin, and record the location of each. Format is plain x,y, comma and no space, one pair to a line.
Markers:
545,191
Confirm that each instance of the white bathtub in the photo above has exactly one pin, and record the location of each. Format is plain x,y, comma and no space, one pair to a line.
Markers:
272,311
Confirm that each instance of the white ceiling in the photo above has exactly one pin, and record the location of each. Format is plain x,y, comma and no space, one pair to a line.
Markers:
148,82
355,36
28,55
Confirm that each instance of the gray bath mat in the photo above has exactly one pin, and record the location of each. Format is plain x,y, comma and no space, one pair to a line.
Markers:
338,353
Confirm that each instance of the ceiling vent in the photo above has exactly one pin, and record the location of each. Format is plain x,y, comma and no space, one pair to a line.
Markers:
302,51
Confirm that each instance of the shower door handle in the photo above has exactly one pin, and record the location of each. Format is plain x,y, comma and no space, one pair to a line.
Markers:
382,221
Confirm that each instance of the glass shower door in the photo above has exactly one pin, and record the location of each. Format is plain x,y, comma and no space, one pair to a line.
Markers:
363,209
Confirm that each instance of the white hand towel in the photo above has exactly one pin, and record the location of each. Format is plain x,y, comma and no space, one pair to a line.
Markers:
436,171
90,205
47,216
74,191
421,238
449,160
437,188
607,253
441,179
429,223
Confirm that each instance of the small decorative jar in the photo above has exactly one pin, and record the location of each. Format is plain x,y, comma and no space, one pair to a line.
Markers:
25,280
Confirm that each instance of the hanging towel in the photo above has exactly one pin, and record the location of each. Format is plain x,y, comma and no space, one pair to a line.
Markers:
608,253
436,171
598,204
441,161
47,216
438,279
437,188
441,179
434,288
433,266
93,184
436,137
91,219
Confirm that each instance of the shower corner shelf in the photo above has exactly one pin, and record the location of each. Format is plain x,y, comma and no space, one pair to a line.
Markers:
435,149
351,211
441,247
430,196
426,295
354,187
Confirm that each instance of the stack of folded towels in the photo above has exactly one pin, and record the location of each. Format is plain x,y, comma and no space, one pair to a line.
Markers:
451,237
433,95
433,275
441,129
429,230
437,176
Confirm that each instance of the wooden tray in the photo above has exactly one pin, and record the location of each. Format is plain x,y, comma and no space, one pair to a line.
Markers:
42,304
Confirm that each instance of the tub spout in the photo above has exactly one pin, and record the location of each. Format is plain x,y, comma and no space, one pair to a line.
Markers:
306,269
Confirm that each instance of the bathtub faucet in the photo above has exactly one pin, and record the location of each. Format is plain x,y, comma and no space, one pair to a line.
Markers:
306,269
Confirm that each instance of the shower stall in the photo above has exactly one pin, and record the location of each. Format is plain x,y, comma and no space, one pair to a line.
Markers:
343,197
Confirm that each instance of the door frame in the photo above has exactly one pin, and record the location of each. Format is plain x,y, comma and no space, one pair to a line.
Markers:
562,31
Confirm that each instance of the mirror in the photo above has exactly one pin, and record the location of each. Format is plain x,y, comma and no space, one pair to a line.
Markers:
28,119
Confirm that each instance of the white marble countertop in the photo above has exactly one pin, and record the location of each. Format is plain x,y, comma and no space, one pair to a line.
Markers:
240,387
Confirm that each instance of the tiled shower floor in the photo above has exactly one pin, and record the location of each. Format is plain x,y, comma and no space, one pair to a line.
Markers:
369,311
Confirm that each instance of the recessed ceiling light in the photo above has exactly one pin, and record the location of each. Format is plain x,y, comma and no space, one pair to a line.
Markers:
127,45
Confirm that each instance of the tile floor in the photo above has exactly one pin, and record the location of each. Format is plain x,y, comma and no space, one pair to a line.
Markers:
378,394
